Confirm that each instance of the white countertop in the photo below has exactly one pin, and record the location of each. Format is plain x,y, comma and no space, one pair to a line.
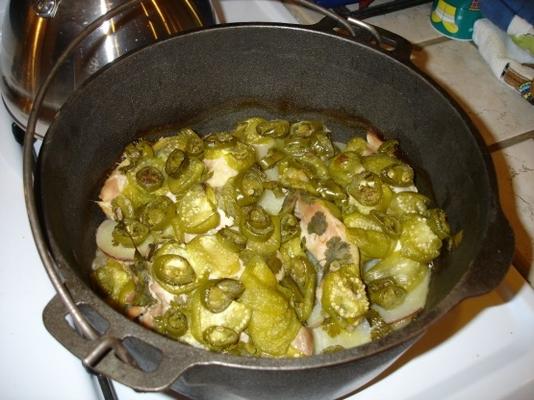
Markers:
483,348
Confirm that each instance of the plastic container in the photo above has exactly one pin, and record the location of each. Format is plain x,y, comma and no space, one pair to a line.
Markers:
455,18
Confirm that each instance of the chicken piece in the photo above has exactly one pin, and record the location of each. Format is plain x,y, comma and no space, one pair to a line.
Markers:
303,341
163,301
113,187
373,143
325,236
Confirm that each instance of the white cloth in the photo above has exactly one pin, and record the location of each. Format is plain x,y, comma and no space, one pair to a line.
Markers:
503,56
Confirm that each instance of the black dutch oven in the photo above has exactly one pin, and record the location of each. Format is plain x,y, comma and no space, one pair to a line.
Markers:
209,79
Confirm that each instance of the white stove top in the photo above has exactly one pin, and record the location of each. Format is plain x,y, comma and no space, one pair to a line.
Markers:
483,348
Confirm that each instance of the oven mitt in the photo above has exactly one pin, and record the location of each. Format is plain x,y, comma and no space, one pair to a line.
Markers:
509,63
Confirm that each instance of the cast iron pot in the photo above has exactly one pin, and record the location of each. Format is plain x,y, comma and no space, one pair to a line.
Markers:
209,79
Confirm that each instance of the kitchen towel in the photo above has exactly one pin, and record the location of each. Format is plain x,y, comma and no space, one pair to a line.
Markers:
515,17
511,64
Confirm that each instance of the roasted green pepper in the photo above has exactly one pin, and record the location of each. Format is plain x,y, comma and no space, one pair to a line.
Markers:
276,128
257,224
405,272
203,250
174,273
269,245
358,145
408,203
343,167
273,324
116,282
343,297
130,233
418,241
366,188
197,210
158,213
386,292
398,174
306,128
173,323
149,178
135,152
303,274
218,294
189,173
249,186
246,131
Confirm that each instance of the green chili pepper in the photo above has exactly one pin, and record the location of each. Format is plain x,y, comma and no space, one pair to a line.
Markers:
173,270
357,145
234,236
294,177
271,244
220,337
418,241
389,224
386,293
195,144
437,220
332,349
257,224
331,191
390,147
306,128
359,220
249,185
366,187
149,178
379,328
116,282
239,156
343,298
220,140
372,244
270,160
406,273
289,227
314,165
408,203
185,140
322,146
157,214
246,130
276,128
122,208
399,174
197,210
130,233
296,146
304,275
174,163
218,294
135,152
376,163
173,323
344,166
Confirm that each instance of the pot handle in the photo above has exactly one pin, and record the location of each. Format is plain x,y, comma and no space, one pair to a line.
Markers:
496,250
388,42
101,355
